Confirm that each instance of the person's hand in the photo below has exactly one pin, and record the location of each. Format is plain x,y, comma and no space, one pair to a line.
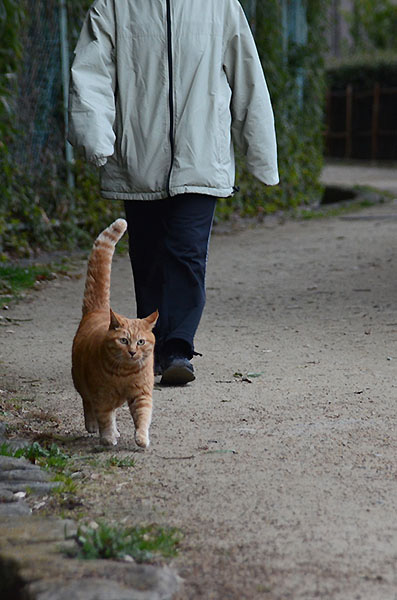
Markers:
99,161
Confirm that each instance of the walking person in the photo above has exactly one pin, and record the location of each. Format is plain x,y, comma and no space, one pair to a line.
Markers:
160,92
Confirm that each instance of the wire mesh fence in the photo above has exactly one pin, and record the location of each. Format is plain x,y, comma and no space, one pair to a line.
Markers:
38,103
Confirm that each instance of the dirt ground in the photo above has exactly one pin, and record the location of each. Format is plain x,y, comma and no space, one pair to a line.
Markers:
283,479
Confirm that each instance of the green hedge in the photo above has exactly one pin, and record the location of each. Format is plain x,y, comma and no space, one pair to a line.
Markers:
373,25
363,71
40,212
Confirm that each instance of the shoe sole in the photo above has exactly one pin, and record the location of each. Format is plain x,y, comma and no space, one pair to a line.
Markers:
177,375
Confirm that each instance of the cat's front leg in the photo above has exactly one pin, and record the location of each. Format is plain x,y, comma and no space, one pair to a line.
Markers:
142,438
141,412
107,430
115,430
90,419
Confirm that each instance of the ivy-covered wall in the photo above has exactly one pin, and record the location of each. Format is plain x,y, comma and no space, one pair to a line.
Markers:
11,18
37,209
373,26
299,118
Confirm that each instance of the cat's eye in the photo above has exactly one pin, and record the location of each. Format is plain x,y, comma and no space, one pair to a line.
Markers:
140,342
124,341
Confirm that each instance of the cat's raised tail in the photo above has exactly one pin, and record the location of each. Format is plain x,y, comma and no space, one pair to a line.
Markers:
97,285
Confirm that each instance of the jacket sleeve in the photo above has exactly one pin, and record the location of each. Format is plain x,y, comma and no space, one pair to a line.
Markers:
92,85
253,127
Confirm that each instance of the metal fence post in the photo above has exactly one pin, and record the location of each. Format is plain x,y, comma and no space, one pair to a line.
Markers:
295,29
284,17
63,25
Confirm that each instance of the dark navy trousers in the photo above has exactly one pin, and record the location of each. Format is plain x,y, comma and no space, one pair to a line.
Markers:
168,245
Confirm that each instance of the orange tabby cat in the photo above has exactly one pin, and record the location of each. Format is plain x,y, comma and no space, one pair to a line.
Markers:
112,357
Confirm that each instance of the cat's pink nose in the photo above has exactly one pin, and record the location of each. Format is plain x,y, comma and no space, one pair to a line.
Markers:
132,354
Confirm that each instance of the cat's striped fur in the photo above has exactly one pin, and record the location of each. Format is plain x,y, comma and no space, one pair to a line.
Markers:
112,356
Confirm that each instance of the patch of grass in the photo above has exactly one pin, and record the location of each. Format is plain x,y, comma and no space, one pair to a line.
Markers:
122,463
342,208
15,278
322,213
68,485
57,462
143,544
11,404
48,458
6,450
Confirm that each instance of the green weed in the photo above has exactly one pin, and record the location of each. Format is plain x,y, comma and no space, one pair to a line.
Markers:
122,463
57,462
51,458
67,484
143,544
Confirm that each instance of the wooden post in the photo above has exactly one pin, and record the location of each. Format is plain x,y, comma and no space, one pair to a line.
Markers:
284,20
375,122
328,122
349,109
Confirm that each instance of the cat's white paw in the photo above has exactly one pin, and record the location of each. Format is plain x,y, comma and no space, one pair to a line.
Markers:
108,441
142,439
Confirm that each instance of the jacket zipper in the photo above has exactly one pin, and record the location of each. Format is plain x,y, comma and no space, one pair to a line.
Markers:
171,92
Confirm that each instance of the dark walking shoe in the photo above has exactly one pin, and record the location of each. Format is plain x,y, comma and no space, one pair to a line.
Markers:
158,369
177,370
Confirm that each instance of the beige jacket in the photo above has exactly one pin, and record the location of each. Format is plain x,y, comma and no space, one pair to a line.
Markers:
160,90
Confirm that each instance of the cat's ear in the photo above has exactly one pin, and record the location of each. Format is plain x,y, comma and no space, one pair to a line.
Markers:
114,322
151,320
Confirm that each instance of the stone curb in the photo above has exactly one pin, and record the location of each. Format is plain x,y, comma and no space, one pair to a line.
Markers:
32,564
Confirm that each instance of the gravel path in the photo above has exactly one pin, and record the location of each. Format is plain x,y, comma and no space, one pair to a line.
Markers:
283,478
